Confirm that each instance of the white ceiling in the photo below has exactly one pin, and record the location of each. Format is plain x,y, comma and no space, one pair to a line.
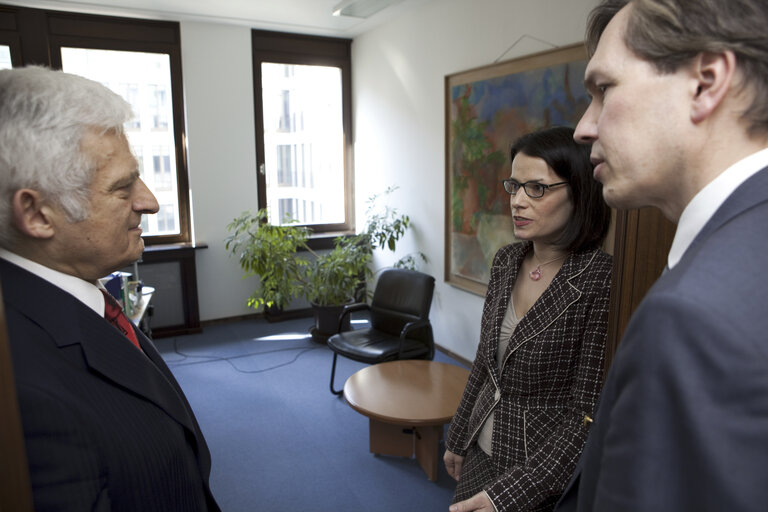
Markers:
299,16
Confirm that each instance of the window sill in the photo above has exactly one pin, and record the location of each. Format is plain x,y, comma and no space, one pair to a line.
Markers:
323,241
178,246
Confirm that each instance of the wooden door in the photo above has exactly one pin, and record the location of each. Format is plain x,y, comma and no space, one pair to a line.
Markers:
641,243
15,490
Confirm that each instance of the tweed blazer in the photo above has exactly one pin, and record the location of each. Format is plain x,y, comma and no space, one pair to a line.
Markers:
550,379
106,427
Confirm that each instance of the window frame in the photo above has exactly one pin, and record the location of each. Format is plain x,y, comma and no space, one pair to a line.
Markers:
285,48
40,35
9,35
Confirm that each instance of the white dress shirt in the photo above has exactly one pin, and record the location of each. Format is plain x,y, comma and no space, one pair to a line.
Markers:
704,204
87,293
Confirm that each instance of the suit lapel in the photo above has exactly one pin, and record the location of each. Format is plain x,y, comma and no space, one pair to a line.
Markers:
748,194
555,300
106,351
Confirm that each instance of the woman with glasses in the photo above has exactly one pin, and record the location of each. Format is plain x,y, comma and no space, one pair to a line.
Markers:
525,413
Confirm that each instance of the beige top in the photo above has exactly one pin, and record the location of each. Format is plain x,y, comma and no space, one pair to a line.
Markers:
505,333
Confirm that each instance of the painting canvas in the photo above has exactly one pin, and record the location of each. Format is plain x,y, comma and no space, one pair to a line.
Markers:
487,109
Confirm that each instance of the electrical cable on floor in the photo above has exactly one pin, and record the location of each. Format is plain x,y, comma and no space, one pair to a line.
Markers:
212,359
303,351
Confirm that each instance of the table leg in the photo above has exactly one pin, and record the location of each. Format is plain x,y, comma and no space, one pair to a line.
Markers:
427,441
388,439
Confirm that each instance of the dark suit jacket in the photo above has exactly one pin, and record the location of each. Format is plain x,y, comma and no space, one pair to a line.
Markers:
550,380
683,419
106,427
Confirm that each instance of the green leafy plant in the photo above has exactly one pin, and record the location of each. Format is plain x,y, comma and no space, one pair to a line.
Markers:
332,278
327,279
269,252
385,227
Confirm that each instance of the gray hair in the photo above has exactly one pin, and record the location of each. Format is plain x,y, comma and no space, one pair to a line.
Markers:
43,117
670,33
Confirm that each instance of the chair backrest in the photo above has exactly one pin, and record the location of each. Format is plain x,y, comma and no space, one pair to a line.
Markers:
401,296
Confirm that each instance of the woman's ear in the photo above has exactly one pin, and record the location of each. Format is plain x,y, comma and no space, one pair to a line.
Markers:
714,73
32,214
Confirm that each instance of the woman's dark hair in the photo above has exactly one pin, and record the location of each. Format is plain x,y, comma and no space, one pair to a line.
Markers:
588,226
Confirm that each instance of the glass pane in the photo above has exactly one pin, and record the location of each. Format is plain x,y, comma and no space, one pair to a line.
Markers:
5,57
144,80
303,143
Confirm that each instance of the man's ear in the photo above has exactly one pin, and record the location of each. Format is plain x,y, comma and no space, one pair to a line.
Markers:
32,215
715,74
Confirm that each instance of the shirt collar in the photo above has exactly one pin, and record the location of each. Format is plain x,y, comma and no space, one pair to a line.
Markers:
704,204
87,293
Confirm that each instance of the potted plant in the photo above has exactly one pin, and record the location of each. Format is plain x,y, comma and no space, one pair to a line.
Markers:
331,280
340,276
269,252
327,281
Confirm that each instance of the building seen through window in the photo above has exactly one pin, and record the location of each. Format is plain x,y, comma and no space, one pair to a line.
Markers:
165,217
144,80
5,57
303,143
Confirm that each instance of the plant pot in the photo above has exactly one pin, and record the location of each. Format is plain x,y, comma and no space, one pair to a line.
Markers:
327,322
274,314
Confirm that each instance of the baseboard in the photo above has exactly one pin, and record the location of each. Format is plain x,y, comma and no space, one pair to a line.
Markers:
454,355
168,332
284,315
231,319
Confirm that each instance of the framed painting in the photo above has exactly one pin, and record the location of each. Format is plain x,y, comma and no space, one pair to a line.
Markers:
486,110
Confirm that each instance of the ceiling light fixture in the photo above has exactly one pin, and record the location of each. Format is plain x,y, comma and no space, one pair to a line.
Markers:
361,8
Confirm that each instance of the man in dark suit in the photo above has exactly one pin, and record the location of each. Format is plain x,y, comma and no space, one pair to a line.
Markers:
679,121
106,425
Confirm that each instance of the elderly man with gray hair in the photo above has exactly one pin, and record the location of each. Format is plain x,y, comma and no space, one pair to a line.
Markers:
106,425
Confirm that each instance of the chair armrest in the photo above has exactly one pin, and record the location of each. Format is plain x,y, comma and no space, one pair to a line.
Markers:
416,324
349,308
413,325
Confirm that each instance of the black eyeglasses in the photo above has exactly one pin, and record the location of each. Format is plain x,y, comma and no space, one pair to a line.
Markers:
533,189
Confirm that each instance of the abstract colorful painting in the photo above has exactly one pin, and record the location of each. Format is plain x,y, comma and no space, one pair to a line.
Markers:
487,109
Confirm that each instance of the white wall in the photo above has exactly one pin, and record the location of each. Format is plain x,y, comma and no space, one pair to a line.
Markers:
398,79
399,120
218,87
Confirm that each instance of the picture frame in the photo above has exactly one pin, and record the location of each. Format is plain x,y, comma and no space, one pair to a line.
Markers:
486,110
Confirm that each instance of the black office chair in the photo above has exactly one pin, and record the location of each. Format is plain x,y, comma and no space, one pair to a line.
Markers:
400,327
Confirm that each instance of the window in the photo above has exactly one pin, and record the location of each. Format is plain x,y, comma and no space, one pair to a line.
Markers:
161,164
165,218
303,124
143,79
284,165
138,152
141,61
158,101
130,91
5,57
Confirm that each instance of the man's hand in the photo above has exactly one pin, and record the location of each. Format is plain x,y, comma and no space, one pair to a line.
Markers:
479,503
453,464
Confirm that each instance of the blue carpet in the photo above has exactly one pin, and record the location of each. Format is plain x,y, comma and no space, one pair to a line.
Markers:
280,441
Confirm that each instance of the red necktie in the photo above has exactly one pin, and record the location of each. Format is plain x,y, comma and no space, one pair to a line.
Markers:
114,313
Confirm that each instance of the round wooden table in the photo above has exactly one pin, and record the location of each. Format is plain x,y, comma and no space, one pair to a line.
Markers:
407,403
